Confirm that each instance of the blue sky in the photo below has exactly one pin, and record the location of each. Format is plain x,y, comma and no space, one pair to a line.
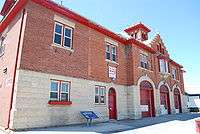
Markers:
178,22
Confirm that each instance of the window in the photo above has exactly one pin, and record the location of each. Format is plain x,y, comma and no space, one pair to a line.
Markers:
111,52
173,73
2,47
68,37
100,95
144,61
163,66
63,35
59,91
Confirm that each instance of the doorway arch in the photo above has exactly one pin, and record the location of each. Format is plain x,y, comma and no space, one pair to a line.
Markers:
177,101
112,104
165,100
147,99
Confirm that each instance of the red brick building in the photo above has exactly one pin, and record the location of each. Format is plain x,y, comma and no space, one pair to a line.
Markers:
56,63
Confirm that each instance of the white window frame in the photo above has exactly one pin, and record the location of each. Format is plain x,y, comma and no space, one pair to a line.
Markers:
52,99
174,72
67,27
99,95
56,23
110,51
59,90
63,35
163,64
67,92
113,53
144,60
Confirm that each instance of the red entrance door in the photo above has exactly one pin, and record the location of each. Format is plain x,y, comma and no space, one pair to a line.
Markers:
146,99
164,99
177,100
112,104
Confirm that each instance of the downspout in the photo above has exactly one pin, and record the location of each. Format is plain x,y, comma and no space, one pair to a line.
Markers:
15,69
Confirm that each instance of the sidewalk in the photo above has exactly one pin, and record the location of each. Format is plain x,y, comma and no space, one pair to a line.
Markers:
179,123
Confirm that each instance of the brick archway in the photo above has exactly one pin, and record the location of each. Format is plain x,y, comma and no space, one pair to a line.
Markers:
177,100
165,100
147,99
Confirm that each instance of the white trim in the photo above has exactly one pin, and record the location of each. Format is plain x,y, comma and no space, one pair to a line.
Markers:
108,40
66,27
66,48
145,69
113,62
68,92
111,46
103,88
144,53
176,86
54,32
54,91
145,78
162,83
64,21
59,90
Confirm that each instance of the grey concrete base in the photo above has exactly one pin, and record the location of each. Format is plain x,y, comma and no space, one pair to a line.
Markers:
182,123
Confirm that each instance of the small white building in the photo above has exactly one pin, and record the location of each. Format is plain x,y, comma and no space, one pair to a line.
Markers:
193,101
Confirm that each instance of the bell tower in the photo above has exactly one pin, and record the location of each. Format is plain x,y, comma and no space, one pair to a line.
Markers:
138,31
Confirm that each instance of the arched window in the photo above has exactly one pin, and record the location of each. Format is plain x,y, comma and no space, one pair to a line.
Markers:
145,85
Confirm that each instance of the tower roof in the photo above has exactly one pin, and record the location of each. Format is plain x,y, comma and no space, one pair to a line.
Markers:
137,26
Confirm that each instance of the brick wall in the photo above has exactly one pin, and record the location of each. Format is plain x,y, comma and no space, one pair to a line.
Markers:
88,59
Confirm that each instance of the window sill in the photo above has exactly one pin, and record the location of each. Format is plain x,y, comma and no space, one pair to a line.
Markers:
176,80
99,105
66,48
113,62
145,69
161,73
59,102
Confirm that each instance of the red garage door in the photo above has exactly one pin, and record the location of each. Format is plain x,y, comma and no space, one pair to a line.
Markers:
147,99
177,101
164,100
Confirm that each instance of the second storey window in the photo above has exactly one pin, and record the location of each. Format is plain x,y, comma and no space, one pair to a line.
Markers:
163,66
144,61
63,35
173,73
59,91
111,52
100,95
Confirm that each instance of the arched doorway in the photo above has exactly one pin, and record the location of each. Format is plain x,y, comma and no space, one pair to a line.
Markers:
147,99
164,100
112,104
177,101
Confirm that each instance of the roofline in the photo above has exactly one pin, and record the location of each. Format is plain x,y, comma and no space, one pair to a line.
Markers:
9,17
141,45
136,26
6,6
70,14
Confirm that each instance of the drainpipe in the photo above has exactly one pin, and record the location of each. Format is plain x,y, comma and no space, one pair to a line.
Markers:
15,69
